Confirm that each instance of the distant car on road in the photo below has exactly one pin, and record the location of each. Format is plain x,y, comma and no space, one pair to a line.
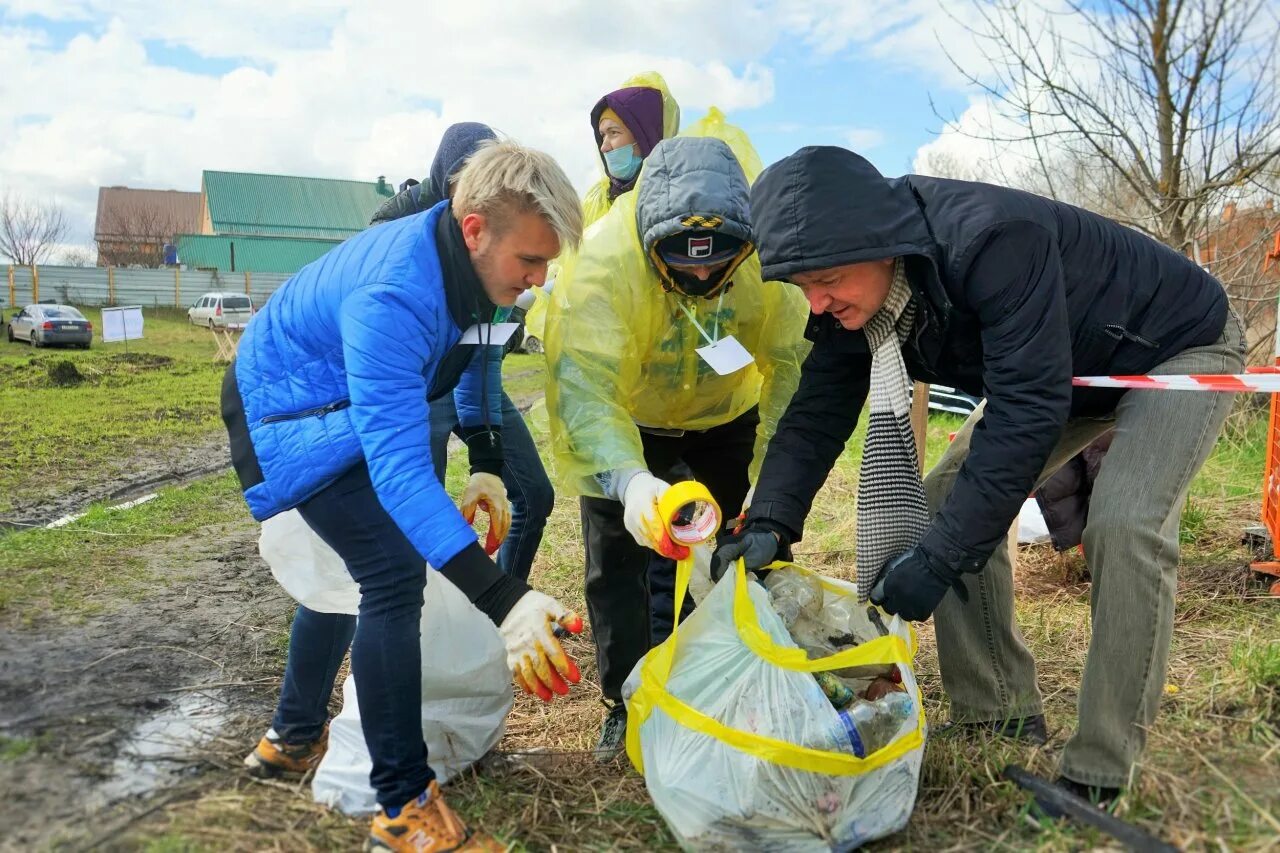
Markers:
219,310
46,325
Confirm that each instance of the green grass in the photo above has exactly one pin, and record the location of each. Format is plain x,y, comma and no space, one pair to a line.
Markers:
163,394
174,843
15,748
76,570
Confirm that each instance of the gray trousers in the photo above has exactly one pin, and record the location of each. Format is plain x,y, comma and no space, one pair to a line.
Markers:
1131,545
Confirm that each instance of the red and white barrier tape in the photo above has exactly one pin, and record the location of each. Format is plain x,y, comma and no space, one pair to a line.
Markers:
1264,380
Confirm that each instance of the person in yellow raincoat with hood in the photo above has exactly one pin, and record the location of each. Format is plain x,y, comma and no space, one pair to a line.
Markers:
627,123
669,270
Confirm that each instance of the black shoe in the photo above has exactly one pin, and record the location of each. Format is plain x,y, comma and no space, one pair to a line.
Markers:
613,735
1031,730
1099,796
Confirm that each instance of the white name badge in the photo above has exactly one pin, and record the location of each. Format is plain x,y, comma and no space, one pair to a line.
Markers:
496,334
726,355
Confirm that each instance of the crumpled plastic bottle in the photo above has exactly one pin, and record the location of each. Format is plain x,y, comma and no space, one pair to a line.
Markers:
868,726
794,594
846,618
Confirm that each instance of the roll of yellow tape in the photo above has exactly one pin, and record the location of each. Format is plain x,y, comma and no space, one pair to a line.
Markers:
691,515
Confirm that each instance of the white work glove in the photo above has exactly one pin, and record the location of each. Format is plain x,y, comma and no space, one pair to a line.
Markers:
538,662
641,516
486,492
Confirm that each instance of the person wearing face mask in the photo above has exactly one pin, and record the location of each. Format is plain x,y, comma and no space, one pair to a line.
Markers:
633,393
628,123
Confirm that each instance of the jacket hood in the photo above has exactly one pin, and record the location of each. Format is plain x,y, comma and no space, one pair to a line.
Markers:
647,109
825,206
692,184
458,143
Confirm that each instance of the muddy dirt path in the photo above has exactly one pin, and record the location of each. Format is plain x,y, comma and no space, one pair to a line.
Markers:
98,715
145,471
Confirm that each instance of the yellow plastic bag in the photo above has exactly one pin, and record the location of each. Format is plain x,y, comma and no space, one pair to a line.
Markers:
740,748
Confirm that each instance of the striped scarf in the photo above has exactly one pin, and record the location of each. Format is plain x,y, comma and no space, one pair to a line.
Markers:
892,511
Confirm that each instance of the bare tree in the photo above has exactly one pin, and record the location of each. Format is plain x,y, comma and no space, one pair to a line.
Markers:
1159,111
78,256
29,231
135,237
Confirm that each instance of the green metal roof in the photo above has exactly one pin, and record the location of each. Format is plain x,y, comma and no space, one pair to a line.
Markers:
243,203
252,254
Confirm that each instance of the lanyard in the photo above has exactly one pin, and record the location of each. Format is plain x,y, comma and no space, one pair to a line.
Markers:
694,320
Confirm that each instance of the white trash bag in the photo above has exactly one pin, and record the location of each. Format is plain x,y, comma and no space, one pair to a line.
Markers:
466,684
740,748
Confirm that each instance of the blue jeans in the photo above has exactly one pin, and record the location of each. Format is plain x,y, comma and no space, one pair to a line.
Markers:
386,655
528,487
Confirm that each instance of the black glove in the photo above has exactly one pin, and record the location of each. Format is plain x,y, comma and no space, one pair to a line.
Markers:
913,584
760,543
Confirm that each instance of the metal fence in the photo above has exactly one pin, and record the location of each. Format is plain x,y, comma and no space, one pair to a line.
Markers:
170,287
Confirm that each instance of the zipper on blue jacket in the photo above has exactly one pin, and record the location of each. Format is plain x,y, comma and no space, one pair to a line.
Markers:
318,412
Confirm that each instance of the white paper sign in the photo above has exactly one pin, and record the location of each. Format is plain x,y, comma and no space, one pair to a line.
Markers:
726,355
122,324
489,333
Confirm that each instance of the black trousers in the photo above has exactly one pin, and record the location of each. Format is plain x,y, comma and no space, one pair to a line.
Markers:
618,568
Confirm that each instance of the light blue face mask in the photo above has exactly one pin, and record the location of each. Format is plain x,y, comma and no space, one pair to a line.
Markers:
623,163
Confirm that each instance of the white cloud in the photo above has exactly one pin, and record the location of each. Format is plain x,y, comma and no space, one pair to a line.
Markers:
334,90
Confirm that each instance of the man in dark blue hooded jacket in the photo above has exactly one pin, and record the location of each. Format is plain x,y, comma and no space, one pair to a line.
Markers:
1013,295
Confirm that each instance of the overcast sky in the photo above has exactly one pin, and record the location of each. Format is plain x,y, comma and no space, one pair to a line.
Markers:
148,94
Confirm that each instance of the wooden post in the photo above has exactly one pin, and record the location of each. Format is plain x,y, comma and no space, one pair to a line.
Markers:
111,285
35,283
920,418
13,290
177,288
246,283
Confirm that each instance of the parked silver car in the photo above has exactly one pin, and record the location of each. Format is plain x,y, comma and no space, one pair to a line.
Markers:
46,325
219,310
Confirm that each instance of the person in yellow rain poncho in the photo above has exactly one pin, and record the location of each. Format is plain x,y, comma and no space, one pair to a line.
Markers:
627,123
633,391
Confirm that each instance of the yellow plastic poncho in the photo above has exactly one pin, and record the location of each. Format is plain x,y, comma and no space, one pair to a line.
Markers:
596,202
621,352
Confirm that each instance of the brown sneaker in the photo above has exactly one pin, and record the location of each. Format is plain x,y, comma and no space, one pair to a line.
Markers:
273,758
427,825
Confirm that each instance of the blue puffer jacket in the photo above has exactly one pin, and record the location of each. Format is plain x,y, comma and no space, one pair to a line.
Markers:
337,366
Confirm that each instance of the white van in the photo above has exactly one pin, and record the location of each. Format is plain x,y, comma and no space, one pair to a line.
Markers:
219,310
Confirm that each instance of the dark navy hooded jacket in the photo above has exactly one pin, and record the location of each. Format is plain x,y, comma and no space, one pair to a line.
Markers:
1015,295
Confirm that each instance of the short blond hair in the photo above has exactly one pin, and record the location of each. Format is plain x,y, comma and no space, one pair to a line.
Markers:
503,178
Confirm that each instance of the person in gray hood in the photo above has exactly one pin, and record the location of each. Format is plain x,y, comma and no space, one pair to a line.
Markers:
1007,295
669,271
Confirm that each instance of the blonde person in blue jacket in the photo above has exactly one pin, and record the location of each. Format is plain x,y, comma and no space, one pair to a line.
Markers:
326,409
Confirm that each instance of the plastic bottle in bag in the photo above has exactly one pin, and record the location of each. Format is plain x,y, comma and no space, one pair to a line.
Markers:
868,726
794,594
848,620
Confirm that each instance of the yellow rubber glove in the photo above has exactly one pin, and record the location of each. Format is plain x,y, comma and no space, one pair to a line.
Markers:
539,664
486,492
